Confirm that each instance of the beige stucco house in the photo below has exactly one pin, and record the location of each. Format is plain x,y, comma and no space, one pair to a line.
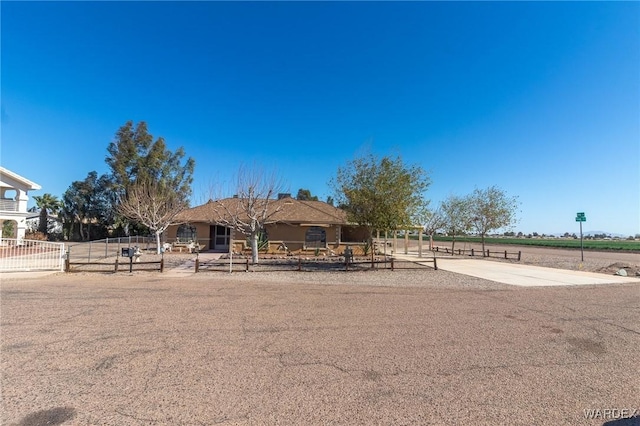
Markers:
293,225
14,191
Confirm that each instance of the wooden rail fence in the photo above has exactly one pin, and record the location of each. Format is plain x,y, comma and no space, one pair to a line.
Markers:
487,253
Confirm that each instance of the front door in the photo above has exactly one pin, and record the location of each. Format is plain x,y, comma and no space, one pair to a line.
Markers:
220,236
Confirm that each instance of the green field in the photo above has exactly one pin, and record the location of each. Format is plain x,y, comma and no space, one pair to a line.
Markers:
626,245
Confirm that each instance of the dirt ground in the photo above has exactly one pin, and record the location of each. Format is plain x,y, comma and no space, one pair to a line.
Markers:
418,347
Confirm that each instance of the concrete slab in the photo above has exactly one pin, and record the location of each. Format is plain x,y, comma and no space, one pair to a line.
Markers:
528,275
521,275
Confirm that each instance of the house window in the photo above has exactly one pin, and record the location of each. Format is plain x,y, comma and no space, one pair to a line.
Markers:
315,237
186,233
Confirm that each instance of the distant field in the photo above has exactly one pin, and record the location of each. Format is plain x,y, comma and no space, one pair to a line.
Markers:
626,245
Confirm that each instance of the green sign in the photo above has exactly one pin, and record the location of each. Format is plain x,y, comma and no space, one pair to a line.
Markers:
580,217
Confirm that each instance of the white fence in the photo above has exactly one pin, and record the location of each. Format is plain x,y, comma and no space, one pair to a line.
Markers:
30,255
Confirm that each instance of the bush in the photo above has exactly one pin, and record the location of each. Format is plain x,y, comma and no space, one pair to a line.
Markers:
38,236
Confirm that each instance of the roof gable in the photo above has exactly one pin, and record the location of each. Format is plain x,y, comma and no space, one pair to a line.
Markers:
9,179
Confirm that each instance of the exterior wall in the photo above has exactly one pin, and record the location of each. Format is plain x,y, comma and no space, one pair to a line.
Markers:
292,235
202,233
354,234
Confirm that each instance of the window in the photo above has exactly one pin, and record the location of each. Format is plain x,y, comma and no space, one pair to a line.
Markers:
186,233
315,237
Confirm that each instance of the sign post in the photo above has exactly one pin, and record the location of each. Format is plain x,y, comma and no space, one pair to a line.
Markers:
580,217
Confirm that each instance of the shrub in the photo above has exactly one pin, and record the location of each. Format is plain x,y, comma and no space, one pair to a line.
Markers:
39,236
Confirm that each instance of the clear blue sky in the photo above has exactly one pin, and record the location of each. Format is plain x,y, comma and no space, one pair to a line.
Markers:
539,98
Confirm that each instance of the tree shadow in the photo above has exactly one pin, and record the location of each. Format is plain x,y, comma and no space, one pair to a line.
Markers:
52,416
629,421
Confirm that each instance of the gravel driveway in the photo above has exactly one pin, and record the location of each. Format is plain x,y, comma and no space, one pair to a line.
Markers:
376,347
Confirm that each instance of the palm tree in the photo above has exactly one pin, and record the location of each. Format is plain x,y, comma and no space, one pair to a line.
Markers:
47,203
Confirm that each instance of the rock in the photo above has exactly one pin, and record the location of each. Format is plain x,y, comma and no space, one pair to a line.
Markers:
622,273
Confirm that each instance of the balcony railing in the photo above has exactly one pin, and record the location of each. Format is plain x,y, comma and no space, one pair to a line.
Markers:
8,205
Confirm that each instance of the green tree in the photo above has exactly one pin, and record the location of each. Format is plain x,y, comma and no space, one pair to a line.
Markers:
137,161
87,207
134,156
457,216
305,195
492,209
48,204
433,222
381,193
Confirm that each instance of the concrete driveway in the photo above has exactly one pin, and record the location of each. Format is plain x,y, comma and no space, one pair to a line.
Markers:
524,275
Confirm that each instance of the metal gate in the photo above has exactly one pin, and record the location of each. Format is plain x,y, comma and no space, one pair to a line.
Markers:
30,255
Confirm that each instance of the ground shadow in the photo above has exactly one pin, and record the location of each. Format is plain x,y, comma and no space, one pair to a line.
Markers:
630,421
52,416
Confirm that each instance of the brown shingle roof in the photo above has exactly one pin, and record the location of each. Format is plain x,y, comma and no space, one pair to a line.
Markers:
285,210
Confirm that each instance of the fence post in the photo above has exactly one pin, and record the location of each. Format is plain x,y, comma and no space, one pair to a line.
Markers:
197,264
67,261
115,269
519,252
435,264
247,267
162,264
505,254
472,253
392,263
90,244
488,253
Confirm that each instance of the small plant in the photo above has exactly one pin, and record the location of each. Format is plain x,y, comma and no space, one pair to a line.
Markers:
366,247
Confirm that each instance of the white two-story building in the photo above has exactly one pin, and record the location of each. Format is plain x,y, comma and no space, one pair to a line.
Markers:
13,200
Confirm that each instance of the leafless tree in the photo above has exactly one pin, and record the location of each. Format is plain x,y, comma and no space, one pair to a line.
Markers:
153,205
253,205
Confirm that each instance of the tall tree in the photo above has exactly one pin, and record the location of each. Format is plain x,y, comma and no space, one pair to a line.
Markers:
134,156
48,204
492,209
137,161
381,193
252,206
457,216
305,195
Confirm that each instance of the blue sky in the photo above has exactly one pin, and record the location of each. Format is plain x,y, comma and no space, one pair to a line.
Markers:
539,98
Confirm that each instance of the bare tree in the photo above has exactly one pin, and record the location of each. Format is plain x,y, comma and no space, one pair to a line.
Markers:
253,205
153,205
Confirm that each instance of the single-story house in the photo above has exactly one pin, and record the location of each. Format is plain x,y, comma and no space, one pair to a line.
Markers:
292,225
